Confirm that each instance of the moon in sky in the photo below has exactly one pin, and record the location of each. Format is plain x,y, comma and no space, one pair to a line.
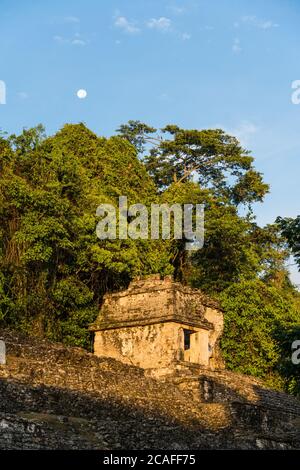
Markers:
82,94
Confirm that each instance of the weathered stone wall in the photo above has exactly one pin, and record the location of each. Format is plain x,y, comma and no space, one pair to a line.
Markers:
160,345
215,317
144,324
153,300
31,431
53,397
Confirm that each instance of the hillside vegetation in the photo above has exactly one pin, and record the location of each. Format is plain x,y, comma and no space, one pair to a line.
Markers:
54,270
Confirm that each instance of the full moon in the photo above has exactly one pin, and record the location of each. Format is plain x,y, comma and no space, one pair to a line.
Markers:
81,94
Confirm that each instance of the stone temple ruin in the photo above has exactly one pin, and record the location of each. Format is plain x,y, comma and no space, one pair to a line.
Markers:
160,325
58,397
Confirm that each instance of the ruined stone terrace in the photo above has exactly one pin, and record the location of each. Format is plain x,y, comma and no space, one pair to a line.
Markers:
55,397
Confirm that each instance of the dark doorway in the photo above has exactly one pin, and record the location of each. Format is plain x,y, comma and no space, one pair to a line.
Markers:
187,339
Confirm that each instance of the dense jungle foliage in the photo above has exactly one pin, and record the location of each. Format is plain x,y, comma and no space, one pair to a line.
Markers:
54,270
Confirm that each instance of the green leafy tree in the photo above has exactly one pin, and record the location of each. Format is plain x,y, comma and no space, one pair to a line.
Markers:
54,269
212,157
212,168
287,368
237,249
255,316
291,231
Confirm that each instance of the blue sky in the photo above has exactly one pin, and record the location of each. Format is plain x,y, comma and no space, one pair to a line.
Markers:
196,63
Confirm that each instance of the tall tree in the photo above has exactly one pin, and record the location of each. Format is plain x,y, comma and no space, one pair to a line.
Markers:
290,229
211,157
258,321
53,268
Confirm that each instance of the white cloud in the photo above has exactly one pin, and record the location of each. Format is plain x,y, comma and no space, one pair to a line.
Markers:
164,97
185,36
161,24
23,95
249,19
244,131
258,23
125,25
236,47
268,24
78,42
71,19
75,41
176,10
59,39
